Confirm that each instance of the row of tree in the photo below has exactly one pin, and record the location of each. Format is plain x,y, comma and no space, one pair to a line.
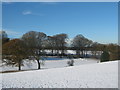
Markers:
33,44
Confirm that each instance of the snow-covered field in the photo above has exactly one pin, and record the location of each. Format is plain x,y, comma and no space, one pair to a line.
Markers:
49,64
94,75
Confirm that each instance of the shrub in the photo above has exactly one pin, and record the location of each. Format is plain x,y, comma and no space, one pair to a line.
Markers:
105,56
70,63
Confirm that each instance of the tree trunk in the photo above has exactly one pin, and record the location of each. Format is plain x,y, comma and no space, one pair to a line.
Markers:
82,53
52,52
57,52
78,53
86,54
62,51
19,65
38,64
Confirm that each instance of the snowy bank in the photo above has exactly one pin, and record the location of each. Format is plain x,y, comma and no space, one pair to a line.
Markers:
99,75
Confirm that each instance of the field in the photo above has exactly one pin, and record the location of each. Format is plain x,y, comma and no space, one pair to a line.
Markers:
84,74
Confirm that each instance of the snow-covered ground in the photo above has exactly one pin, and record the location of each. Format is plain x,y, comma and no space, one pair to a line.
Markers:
49,63
95,75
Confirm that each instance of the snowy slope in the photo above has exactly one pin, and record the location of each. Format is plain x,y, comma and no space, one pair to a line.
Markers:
99,75
52,63
49,64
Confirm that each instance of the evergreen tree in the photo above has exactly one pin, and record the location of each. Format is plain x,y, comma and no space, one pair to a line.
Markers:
105,56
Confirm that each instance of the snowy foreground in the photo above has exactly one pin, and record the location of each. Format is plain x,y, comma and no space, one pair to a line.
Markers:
96,75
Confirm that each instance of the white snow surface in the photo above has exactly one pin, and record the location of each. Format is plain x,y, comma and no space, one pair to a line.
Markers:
96,75
54,63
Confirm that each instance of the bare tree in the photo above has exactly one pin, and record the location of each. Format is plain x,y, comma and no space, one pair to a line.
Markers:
80,43
97,49
3,37
50,43
14,52
60,42
114,51
34,40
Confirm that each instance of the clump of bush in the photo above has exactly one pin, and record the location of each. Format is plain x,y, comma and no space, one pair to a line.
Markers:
70,63
105,56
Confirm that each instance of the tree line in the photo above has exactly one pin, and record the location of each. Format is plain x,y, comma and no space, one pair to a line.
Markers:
33,45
